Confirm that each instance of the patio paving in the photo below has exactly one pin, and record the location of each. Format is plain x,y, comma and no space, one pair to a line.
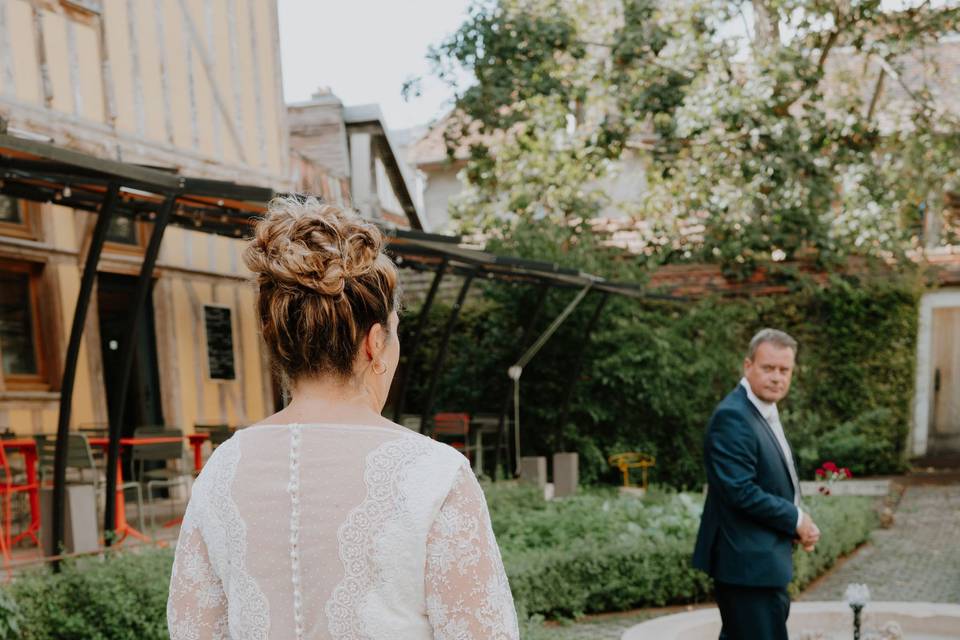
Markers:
918,559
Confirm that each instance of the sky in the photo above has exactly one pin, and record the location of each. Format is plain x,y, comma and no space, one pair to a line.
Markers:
364,50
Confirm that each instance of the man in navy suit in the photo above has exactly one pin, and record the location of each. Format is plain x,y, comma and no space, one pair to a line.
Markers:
752,514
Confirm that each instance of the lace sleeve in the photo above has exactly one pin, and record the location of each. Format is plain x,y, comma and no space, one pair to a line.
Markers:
467,593
196,607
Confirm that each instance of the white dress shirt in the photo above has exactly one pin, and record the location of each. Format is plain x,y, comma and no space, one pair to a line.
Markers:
769,412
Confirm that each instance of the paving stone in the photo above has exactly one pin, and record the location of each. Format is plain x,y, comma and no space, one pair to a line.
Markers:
918,559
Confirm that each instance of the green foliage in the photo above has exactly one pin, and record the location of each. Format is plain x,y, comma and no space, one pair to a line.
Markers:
791,150
589,553
652,373
11,620
599,552
120,597
845,523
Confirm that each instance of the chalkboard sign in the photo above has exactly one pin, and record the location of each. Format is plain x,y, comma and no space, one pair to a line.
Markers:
219,343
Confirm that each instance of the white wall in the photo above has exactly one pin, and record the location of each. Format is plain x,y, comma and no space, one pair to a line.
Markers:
923,398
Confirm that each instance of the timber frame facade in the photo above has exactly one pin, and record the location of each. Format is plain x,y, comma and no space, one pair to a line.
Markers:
189,86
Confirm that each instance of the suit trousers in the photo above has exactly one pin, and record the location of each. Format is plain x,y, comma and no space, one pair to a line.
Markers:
752,613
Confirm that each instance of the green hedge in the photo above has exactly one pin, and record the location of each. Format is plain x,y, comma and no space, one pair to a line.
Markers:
122,597
598,553
653,372
591,553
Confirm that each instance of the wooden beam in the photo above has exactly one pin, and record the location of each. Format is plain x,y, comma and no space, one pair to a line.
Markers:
160,25
258,101
125,171
73,56
106,74
232,125
133,41
41,47
6,56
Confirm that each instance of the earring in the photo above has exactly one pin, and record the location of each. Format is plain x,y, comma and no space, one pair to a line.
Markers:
379,367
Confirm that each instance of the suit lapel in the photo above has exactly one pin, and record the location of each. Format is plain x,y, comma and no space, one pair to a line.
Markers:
766,428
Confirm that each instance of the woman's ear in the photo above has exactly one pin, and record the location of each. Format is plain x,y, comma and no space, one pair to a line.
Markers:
375,341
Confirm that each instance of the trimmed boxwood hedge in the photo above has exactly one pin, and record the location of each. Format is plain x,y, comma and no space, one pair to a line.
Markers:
597,553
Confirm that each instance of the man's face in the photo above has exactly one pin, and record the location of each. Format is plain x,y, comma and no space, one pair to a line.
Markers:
770,371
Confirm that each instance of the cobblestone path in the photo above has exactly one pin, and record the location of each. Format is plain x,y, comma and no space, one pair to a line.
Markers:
918,559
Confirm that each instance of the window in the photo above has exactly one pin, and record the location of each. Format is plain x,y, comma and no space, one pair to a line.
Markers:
21,356
15,217
10,210
127,235
219,328
123,231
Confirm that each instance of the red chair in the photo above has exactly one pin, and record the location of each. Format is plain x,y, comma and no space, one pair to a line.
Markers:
9,488
453,429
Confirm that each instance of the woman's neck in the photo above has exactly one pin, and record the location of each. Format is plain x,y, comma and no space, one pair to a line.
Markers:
328,400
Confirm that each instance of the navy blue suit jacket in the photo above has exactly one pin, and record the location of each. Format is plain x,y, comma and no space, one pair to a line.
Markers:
749,519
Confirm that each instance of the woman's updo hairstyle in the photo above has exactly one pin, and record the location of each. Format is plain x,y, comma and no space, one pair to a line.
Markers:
323,282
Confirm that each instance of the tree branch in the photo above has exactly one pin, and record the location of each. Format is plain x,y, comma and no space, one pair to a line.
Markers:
877,89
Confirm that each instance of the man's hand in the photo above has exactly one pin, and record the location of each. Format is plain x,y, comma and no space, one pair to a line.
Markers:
808,533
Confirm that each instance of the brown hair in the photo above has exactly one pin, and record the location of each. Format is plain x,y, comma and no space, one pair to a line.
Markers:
323,282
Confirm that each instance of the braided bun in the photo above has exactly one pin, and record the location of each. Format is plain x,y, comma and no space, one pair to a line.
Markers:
323,281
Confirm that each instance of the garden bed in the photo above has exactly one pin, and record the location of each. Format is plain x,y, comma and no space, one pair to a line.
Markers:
594,552
599,552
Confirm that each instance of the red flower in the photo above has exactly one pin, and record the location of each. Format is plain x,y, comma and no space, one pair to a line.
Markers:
829,466
846,472
821,473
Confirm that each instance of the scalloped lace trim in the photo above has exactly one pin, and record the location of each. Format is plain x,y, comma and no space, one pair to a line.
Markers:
358,535
225,534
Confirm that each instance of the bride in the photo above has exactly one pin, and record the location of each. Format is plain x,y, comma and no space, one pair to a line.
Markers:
326,520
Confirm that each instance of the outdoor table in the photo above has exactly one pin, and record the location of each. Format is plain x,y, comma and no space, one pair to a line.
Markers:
123,528
196,441
28,448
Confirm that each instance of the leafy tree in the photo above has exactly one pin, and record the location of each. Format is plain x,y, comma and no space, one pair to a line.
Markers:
763,137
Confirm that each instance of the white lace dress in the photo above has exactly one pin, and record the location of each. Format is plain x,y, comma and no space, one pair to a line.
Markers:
340,532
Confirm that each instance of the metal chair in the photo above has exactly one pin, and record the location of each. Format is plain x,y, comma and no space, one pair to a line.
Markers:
220,435
164,477
94,429
81,462
12,484
210,427
81,466
633,460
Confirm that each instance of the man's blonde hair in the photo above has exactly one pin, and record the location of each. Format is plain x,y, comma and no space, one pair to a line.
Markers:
773,336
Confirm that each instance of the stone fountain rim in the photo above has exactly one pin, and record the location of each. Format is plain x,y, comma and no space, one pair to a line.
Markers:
688,620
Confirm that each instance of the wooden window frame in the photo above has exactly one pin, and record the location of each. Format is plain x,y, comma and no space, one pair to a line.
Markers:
30,381
26,228
142,230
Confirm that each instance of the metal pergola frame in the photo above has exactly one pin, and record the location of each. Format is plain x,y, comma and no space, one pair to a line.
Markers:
445,256
43,172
